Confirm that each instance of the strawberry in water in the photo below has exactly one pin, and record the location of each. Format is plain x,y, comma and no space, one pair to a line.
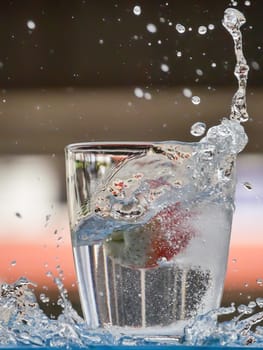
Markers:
161,239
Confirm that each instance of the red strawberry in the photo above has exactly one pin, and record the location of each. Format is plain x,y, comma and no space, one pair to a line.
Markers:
163,237
171,233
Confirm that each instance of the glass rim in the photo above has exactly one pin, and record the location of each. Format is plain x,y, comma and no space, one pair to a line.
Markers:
100,145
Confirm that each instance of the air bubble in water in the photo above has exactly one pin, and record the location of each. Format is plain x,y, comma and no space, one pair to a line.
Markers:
247,185
187,93
151,28
138,92
196,100
202,30
180,28
198,129
164,67
162,261
31,24
137,10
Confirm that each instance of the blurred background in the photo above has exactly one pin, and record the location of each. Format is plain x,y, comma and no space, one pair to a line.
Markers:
88,70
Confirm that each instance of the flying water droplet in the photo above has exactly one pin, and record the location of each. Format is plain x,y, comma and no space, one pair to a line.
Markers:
31,24
252,304
259,302
255,65
13,263
199,72
180,28
164,67
147,96
244,309
202,30
45,299
137,10
196,100
260,282
187,93
138,92
198,129
151,28
211,26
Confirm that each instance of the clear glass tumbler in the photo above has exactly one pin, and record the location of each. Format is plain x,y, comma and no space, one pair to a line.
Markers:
150,226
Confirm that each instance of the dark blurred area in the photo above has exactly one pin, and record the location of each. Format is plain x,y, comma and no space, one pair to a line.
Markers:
103,43
69,69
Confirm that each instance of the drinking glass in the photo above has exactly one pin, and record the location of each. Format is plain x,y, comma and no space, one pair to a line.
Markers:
150,226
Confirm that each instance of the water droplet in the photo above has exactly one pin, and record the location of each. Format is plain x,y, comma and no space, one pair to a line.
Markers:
31,24
162,20
211,26
137,10
259,301
4,100
246,284
147,96
234,260
247,185
179,53
44,298
198,129
196,100
244,309
255,65
202,30
260,282
247,3
101,41
151,28
164,67
180,28
213,65
138,92
199,72
252,304
13,263
187,93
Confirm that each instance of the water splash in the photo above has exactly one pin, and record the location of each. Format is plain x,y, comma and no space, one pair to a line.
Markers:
22,322
232,21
